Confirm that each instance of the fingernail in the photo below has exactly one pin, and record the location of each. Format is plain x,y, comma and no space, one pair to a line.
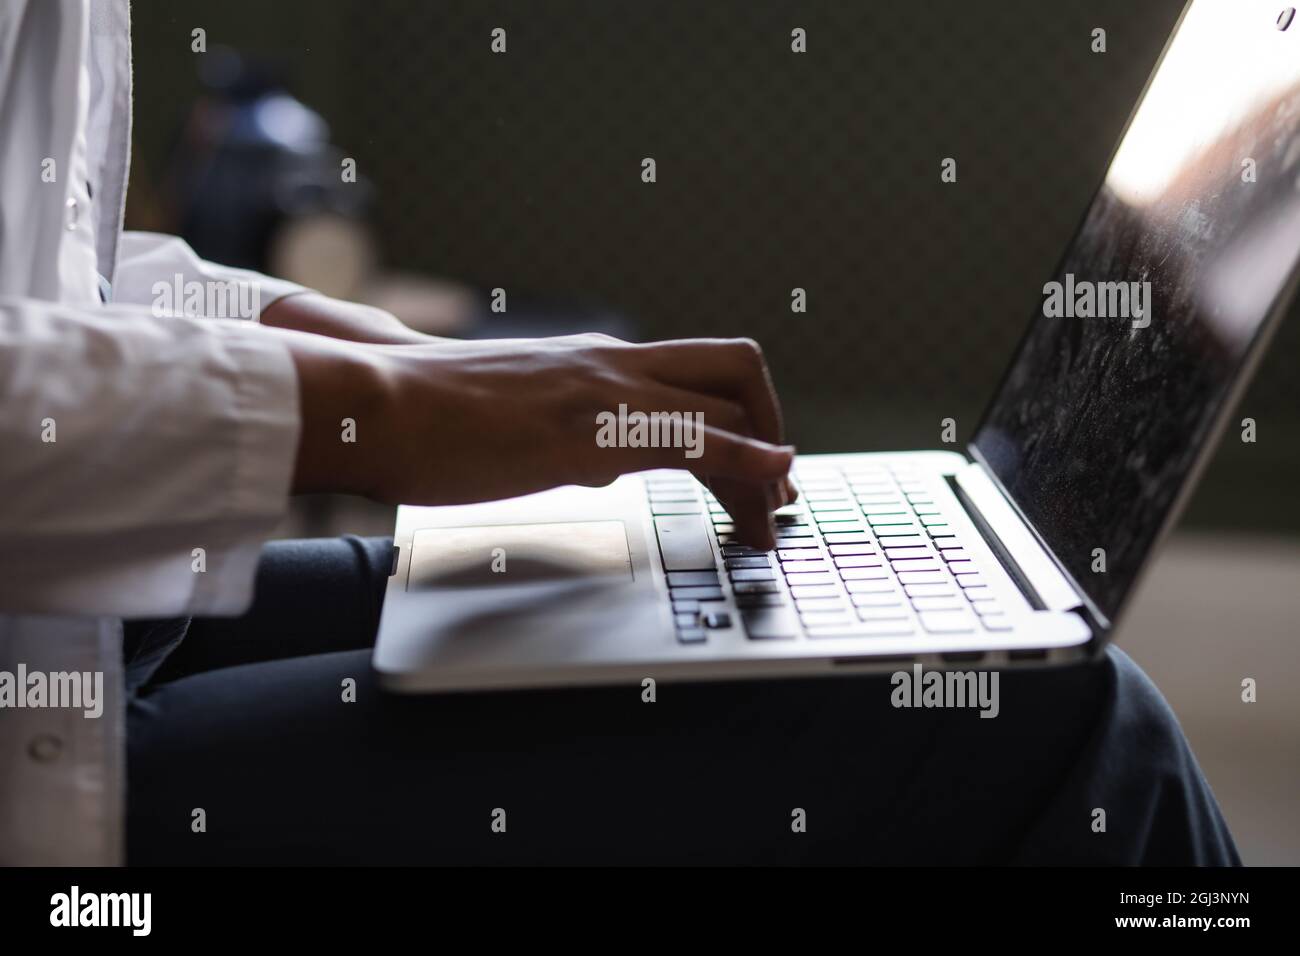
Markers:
785,455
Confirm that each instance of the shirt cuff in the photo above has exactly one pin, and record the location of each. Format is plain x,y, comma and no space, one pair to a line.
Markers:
266,396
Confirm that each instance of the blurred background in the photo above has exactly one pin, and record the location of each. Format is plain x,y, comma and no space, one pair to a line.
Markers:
522,171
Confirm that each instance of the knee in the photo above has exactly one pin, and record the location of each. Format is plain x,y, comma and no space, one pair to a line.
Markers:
1173,816
1144,716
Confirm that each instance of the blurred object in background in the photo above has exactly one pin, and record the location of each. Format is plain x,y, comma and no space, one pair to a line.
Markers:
254,180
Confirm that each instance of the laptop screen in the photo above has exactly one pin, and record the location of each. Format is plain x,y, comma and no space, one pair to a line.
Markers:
1146,326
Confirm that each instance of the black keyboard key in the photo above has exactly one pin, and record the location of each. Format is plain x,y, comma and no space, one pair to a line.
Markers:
697,593
677,579
793,531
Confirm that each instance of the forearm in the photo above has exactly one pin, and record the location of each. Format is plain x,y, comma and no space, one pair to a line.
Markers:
343,391
335,318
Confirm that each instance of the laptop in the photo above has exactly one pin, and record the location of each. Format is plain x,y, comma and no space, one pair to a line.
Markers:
1020,550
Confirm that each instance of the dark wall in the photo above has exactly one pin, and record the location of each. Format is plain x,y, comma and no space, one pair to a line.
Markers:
775,170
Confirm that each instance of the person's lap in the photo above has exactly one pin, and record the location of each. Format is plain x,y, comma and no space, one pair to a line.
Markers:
248,720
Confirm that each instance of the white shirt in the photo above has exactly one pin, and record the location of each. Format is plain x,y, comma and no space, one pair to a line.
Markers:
170,433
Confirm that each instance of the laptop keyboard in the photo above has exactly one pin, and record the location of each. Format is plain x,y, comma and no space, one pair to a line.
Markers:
866,551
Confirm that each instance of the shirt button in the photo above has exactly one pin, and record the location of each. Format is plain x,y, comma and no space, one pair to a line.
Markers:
44,748
72,213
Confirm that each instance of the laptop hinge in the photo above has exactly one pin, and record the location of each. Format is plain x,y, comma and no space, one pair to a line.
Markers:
1018,544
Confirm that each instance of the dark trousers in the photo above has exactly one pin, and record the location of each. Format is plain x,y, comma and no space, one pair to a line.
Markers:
246,720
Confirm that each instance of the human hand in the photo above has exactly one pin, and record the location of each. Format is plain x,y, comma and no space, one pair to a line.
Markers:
480,420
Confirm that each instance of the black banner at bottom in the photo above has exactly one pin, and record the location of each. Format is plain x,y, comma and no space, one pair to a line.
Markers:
370,904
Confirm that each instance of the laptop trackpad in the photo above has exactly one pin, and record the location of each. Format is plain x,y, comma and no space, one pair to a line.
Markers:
493,555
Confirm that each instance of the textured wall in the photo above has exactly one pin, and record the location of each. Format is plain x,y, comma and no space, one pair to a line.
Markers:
775,171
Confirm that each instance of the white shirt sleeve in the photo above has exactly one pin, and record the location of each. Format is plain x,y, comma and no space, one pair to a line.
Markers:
152,267
143,460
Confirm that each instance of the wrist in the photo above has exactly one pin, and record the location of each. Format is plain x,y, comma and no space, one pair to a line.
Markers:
344,392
